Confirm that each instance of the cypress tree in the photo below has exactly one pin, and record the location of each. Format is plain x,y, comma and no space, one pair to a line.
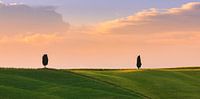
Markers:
139,63
45,60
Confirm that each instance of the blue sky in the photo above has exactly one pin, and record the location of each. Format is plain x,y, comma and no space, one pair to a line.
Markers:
84,12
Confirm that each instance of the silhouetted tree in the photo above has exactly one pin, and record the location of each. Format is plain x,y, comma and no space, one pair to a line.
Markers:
45,60
139,63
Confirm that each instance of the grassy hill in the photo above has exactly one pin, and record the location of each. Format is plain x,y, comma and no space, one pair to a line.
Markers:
56,84
174,83
100,84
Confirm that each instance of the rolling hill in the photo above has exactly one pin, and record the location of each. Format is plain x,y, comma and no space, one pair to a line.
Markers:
100,84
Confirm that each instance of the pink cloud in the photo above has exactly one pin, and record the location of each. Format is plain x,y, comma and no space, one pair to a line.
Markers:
185,18
21,19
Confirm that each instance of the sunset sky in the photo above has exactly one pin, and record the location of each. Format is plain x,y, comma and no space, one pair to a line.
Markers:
99,33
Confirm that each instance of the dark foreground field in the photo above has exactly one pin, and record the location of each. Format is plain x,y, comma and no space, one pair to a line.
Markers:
100,84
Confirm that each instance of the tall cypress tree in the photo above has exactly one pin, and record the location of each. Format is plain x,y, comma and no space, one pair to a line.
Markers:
139,63
45,60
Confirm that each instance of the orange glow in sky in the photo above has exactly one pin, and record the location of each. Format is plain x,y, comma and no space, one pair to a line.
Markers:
163,37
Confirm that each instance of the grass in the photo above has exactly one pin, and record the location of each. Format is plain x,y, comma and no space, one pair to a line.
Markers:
56,84
173,83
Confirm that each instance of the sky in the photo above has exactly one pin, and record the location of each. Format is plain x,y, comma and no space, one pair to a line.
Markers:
99,33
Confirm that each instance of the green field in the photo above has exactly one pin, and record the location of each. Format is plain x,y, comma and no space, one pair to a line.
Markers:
100,84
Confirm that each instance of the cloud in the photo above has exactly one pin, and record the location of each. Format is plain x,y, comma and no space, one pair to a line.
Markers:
155,21
19,19
31,39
